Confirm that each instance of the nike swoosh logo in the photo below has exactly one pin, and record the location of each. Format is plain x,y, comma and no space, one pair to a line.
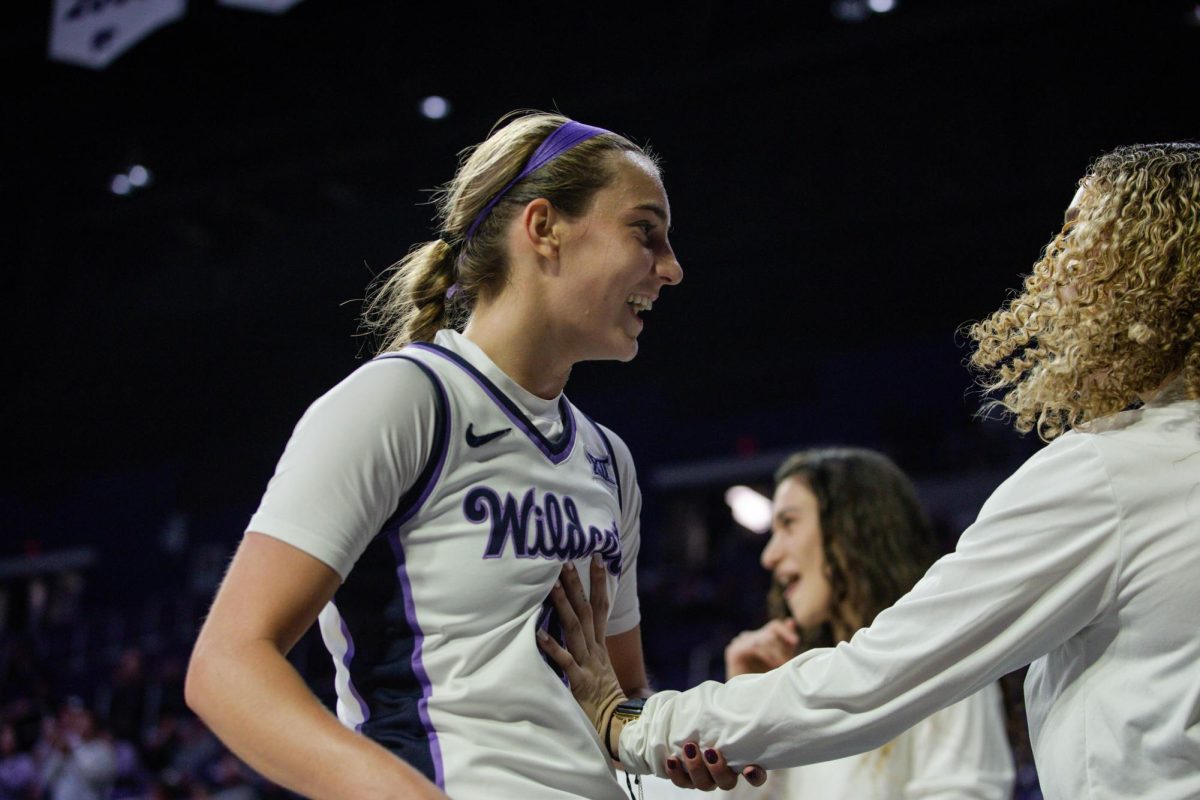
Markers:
480,441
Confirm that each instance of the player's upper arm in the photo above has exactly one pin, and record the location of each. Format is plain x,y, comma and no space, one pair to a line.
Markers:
272,591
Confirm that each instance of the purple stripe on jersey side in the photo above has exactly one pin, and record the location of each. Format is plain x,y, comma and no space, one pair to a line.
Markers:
410,613
507,406
347,657
441,442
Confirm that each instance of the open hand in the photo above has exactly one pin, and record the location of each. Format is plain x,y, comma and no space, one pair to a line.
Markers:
585,659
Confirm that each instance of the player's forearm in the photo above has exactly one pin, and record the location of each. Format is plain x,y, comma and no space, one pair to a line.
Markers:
253,699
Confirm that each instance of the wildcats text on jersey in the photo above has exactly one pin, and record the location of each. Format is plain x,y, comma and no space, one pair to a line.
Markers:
557,532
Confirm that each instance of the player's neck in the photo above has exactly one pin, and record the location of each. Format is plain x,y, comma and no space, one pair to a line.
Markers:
522,347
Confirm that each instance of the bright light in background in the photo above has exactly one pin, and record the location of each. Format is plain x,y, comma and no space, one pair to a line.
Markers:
850,10
751,509
139,176
434,107
859,10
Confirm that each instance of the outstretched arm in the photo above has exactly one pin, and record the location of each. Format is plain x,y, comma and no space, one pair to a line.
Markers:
241,684
1039,565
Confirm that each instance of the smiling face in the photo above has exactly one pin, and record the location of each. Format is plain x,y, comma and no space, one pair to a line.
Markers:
613,262
795,555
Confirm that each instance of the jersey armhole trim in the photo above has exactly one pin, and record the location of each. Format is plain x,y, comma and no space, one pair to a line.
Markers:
612,458
419,492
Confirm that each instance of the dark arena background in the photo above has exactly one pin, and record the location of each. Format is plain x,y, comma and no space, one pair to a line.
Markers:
190,230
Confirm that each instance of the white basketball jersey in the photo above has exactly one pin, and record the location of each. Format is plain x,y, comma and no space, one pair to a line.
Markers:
433,631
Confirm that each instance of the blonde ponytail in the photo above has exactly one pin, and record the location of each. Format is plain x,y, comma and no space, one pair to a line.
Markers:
409,303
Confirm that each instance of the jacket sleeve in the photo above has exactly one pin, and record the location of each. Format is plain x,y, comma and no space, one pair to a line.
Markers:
1037,566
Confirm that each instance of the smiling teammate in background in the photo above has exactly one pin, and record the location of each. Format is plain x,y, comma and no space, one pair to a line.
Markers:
848,539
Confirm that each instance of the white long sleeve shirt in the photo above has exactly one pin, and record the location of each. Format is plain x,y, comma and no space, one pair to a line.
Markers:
1086,562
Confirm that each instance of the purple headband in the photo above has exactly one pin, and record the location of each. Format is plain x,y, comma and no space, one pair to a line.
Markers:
561,140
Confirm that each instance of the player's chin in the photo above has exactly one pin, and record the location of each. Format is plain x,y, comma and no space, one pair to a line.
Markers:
629,352
621,347
616,345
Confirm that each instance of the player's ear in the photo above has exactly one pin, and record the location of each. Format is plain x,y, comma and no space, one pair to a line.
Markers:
542,227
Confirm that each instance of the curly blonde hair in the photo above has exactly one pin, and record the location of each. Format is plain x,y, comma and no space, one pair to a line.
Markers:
1112,308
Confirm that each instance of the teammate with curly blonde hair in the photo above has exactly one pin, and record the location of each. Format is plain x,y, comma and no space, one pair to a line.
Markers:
1085,564
1112,310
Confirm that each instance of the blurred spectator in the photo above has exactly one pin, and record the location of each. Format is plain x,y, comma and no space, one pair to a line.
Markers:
122,704
18,771
80,761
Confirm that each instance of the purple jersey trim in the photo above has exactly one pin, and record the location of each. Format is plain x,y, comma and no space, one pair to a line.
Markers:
419,492
408,506
556,452
410,613
347,657
612,457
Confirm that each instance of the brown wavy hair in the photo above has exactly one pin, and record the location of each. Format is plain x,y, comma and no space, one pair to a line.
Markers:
1112,308
408,302
876,537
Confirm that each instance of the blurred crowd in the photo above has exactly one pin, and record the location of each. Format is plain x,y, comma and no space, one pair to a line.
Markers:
133,737
91,698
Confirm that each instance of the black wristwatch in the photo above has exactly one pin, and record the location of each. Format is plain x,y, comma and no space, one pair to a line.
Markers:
629,710
626,711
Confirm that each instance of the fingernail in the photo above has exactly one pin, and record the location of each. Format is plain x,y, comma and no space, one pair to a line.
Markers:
689,750
756,773
569,566
542,636
710,756
672,763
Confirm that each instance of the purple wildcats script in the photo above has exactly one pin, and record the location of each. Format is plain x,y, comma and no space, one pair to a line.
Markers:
556,535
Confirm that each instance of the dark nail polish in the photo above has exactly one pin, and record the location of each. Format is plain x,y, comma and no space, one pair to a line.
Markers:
672,764
710,756
689,750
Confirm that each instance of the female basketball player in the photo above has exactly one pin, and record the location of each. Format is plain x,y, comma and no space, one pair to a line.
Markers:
424,506
848,539
1085,562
